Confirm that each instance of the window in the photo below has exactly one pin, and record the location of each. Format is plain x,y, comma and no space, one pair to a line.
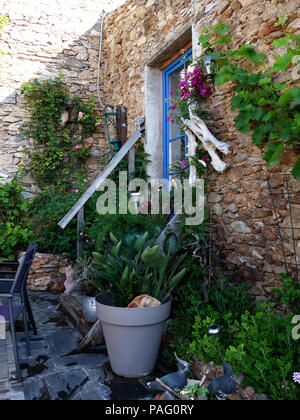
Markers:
174,142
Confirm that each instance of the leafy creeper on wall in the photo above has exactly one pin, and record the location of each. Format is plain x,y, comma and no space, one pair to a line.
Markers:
270,110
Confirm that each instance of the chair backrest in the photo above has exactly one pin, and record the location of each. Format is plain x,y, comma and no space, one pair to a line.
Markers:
24,267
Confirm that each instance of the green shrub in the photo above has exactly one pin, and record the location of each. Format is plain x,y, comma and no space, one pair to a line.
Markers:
259,345
58,149
220,304
14,233
289,294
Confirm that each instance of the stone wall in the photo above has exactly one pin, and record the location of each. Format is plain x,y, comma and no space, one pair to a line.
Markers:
43,38
47,273
136,36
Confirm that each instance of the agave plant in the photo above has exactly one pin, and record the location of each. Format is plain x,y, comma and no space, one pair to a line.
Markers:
127,271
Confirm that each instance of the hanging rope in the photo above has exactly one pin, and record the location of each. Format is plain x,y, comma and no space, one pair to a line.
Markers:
100,58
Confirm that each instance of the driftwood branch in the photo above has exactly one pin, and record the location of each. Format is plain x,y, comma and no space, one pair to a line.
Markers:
196,128
169,389
206,373
94,335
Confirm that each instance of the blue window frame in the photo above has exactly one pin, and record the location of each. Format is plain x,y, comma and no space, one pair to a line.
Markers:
174,142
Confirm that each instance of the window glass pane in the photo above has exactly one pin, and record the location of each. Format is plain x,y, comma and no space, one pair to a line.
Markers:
177,150
174,129
174,79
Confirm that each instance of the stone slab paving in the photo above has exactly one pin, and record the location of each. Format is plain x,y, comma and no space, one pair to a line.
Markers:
57,369
9,388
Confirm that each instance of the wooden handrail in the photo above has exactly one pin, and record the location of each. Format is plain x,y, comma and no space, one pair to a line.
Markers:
108,170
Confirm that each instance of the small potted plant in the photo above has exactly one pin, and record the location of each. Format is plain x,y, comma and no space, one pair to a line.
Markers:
133,334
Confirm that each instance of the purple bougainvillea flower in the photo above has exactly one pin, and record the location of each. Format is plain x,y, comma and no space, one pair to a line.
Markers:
296,377
81,233
87,241
77,147
76,191
80,115
66,260
183,164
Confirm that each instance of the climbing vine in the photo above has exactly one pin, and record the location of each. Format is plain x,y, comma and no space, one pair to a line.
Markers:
58,150
268,109
3,23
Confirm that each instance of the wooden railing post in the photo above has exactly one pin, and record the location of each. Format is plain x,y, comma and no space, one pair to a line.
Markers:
131,162
102,177
80,239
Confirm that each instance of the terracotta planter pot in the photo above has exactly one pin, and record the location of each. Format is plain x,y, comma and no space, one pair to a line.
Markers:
132,336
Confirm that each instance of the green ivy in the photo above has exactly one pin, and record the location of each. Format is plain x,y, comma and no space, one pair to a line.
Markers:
58,149
3,23
14,232
270,110
258,345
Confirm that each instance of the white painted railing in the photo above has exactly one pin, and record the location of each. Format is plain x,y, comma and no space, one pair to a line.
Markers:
78,208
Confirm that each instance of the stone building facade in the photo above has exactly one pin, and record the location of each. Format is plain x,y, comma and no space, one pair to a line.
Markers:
139,36
42,39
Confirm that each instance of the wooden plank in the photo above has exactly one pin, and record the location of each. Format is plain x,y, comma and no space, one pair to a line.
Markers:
71,306
95,335
80,222
131,162
176,55
108,170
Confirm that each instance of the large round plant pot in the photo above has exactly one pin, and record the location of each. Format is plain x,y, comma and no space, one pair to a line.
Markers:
132,336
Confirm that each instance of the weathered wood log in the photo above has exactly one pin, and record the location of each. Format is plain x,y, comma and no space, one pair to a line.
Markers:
196,128
93,337
71,306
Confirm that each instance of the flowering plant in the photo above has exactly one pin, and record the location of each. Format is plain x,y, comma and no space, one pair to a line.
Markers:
191,90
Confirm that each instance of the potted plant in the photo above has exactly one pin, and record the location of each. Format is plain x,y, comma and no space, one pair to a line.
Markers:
133,334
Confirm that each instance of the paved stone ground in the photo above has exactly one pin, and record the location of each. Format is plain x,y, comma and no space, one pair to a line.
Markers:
9,388
58,370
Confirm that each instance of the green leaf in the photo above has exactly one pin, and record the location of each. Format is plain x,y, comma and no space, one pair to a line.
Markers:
281,21
215,55
282,62
203,40
274,153
286,98
221,28
224,75
296,170
224,40
265,81
259,135
152,258
296,93
171,244
281,42
269,115
124,278
280,86
258,58
113,238
142,240
176,279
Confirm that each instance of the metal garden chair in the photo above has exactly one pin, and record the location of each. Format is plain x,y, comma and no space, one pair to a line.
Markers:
11,312
5,284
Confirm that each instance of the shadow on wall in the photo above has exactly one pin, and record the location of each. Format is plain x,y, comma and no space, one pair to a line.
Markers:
42,39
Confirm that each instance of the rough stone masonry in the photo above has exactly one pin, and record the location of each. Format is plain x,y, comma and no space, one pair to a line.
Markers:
45,37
